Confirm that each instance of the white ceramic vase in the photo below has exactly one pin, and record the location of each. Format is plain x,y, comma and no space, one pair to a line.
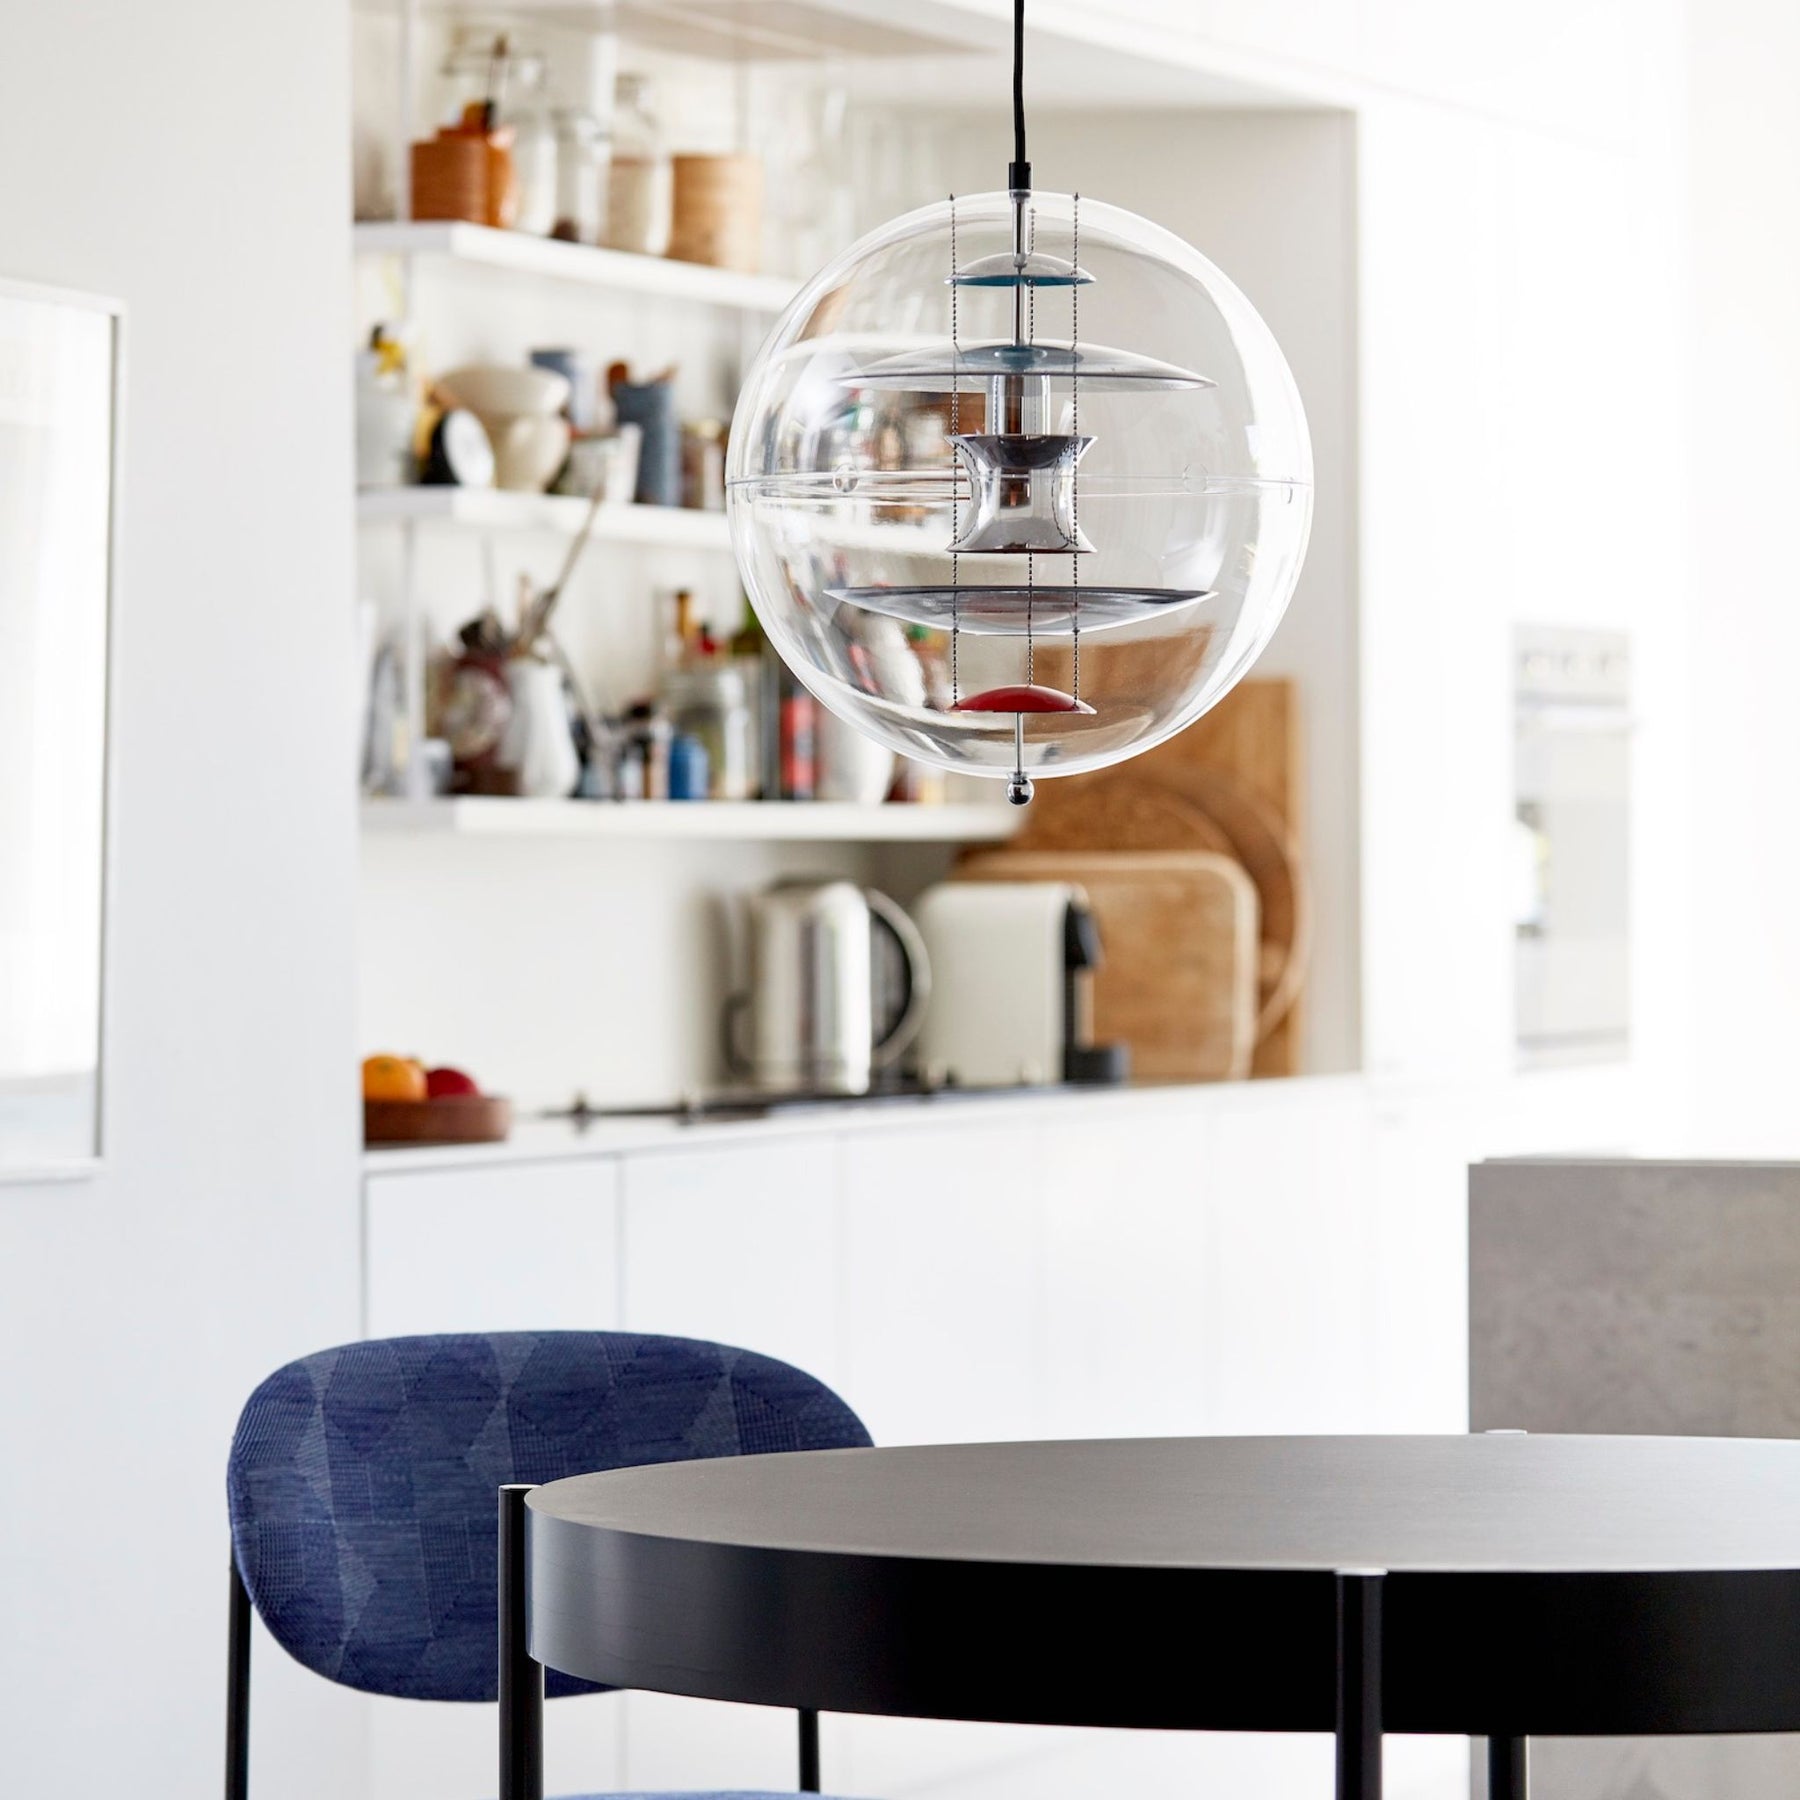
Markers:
539,748
851,767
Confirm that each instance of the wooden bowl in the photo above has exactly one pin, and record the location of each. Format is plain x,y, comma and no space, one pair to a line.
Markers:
456,1119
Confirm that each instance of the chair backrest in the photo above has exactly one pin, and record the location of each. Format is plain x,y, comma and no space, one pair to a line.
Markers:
362,1480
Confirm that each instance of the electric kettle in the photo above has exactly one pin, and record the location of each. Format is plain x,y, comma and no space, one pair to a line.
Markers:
820,1018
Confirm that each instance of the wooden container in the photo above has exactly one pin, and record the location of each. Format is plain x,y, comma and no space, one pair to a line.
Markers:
450,177
456,1119
718,211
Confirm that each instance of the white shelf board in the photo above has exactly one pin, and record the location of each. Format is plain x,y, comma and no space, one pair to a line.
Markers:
524,253
697,821
498,509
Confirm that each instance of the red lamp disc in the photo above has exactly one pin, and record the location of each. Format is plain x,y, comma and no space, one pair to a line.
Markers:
1022,699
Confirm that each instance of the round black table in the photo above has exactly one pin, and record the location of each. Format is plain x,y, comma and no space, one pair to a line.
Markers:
1500,1586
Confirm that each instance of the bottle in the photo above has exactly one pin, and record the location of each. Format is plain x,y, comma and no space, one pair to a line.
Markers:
682,637
648,736
799,719
690,776
752,657
638,200
707,702
582,158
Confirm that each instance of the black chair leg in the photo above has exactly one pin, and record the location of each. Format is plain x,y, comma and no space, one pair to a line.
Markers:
809,1751
237,1690
521,1679
1359,1685
1509,1768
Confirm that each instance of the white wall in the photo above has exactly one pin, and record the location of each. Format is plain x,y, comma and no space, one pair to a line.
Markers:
192,160
1270,197
1744,58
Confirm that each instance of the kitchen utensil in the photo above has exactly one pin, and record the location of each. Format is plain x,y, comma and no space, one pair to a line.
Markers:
810,1003
578,372
1240,763
503,390
624,455
1271,857
717,212
528,450
583,156
539,748
637,198
385,414
650,405
456,1119
461,454
703,465
1228,784
450,177
851,767
707,702
1012,990
690,768
1178,983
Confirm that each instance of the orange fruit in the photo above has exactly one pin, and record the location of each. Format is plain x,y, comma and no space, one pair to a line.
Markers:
392,1078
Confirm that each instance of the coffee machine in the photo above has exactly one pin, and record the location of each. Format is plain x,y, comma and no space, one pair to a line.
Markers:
1012,986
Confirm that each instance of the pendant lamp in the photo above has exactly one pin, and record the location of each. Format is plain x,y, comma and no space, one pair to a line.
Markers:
1020,484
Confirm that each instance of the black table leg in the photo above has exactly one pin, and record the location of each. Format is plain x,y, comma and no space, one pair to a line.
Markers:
521,1678
809,1751
1359,1685
1509,1771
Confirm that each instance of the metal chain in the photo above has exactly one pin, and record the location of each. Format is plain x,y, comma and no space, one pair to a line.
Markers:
955,500
1030,338
1075,423
1031,286
1030,641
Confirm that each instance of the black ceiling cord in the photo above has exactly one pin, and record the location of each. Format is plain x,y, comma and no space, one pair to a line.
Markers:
1018,175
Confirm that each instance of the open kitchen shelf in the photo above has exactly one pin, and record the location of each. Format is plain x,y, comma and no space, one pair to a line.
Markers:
666,527
791,821
524,253
497,509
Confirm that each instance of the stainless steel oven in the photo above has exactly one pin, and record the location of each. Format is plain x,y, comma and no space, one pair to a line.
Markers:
1572,794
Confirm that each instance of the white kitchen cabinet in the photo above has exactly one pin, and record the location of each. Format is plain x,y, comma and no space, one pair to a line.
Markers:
532,1247
737,1244
942,1282
503,1248
1292,1308
1129,1304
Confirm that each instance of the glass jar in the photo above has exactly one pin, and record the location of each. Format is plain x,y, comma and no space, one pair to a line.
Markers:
639,194
582,154
707,701
535,159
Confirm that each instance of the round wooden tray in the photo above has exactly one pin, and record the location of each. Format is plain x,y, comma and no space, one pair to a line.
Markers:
457,1119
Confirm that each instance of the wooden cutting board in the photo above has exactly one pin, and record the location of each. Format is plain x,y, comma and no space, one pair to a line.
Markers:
1178,938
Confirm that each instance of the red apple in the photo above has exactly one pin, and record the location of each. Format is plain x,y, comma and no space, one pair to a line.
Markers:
450,1084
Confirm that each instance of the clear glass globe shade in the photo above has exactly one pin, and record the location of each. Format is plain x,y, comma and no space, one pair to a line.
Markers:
1097,419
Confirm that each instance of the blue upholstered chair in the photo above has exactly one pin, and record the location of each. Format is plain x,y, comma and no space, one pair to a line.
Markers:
363,1487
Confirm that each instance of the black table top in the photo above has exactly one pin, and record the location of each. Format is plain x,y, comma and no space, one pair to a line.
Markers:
1495,1502
1543,1585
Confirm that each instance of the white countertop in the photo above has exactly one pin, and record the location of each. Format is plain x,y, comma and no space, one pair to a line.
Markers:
536,1140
